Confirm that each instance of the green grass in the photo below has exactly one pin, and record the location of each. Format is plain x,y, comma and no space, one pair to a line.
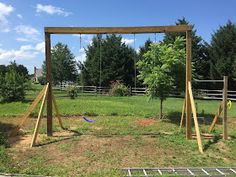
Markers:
105,105
116,139
103,147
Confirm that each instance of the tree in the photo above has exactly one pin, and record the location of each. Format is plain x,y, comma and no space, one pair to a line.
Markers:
144,49
20,69
12,86
200,59
3,70
64,66
117,61
157,66
222,52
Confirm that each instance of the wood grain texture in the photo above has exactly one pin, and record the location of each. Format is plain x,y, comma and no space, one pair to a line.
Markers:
39,116
225,97
117,30
188,79
218,113
199,140
57,112
182,115
49,80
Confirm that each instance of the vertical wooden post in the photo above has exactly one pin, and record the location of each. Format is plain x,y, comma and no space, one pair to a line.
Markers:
188,79
225,131
49,80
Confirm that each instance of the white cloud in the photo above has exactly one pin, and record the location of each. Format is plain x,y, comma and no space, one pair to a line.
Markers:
40,47
16,54
29,33
5,10
85,38
21,39
127,41
27,30
82,55
49,9
19,16
25,52
26,47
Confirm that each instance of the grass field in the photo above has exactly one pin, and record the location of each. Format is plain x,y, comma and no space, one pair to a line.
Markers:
111,106
121,136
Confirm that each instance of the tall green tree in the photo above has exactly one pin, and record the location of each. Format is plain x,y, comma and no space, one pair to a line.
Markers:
143,49
64,67
20,69
113,57
12,86
157,68
3,70
200,57
222,50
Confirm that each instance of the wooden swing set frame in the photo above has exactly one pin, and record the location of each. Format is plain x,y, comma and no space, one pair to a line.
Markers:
47,94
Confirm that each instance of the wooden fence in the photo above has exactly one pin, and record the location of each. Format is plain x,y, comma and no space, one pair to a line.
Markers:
198,93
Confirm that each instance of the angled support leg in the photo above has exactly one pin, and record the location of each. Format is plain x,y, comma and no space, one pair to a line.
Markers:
28,112
199,140
39,117
57,112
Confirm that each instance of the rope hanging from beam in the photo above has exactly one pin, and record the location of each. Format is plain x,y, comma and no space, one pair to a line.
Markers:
135,69
100,61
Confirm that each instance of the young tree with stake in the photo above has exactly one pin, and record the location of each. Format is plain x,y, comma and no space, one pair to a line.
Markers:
157,68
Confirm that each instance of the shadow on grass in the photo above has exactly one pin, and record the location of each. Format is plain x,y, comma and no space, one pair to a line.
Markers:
6,127
61,138
211,142
203,119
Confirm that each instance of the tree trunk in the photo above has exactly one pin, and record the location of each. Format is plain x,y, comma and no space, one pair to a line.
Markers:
161,109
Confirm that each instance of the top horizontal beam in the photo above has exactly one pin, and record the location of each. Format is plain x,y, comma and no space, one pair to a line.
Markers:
117,30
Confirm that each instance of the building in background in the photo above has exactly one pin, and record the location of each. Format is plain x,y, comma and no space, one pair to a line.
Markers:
38,72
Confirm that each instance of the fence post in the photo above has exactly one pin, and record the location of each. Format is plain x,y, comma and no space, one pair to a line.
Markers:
225,92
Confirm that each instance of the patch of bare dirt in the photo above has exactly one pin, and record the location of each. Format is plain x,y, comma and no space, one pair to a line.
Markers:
222,147
147,121
23,140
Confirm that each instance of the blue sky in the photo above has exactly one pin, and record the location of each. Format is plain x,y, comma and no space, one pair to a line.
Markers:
22,22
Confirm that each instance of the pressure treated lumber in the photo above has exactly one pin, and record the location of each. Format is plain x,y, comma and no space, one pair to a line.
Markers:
199,141
39,117
225,128
117,30
219,111
188,79
57,112
49,80
183,112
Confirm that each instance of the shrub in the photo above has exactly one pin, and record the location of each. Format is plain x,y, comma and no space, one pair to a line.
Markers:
12,86
72,91
42,80
119,89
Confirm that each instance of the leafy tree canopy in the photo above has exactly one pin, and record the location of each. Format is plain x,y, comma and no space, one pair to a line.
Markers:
20,69
158,65
113,57
222,50
200,58
64,66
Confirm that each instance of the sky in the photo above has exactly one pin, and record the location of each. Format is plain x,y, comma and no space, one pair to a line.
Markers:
22,22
